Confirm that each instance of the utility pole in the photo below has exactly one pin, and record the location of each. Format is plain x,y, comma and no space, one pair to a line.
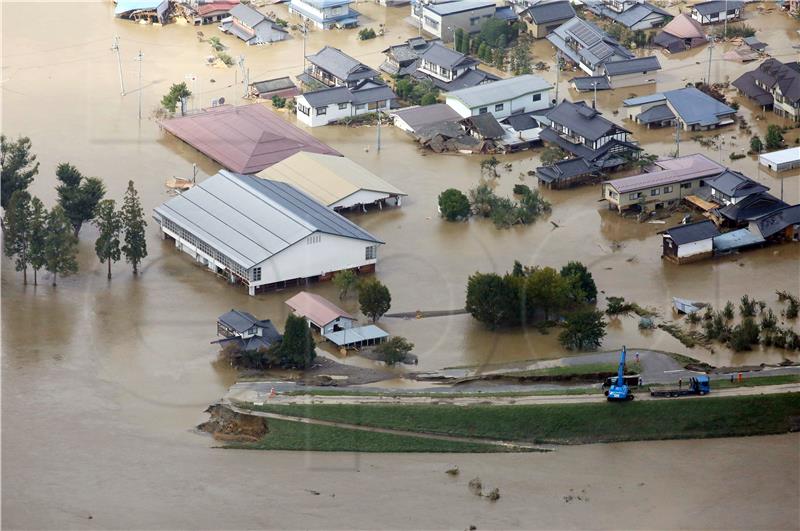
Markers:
677,138
115,48
594,100
379,130
725,31
240,62
140,58
710,51
558,71
305,38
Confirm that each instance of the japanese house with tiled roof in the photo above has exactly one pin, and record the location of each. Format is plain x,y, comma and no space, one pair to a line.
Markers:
773,85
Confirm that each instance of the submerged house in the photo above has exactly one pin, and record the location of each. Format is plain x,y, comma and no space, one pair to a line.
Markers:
715,11
773,85
246,332
690,242
681,34
331,67
448,69
336,104
693,109
282,87
520,94
635,15
322,315
325,14
263,234
582,131
252,26
403,59
155,11
210,12
542,18
603,58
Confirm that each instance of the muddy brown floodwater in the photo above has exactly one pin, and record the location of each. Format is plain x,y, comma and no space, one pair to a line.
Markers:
102,381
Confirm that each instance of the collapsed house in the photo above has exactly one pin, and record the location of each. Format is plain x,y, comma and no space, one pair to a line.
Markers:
153,11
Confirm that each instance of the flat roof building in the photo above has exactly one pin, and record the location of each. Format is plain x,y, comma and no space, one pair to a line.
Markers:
783,160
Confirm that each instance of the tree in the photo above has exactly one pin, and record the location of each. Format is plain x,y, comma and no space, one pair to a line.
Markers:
581,280
109,223
458,40
296,350
548,290
133,224
61,244
38,232
490,166
454,204
774,137
584,330
16,241
78,195
19,166
345,280
428,99
394,350
756,145
491,300
176,93
482,49
374,298
520,60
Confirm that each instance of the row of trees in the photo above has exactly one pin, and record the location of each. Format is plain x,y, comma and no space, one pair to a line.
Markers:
40,239
416,92
503,211
491,44
373,297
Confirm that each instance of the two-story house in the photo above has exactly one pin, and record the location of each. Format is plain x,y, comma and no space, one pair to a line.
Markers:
252,26
442,19
773,85
336,104
516,95
544,17
633,14
331,67
449,70
715,11
325,14
403,59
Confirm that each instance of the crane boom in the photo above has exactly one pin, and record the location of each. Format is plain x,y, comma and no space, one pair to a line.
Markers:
621,370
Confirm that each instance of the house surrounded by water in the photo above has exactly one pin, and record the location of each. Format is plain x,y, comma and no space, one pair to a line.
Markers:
542,18
715,11
773,85
693,109
331,67
325,14
520,94
337,104
251,26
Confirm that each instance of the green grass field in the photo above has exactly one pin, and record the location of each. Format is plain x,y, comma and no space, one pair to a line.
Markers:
288,435
778,379
574,423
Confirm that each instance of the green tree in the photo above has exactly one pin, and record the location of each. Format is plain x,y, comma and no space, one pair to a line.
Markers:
582,281
774,137
109,223
428,99
61,244
38,236
727,311
584,330
458,40
548,290
345,280
491,300
756,145
374,298
16,240
454,204
495,31
19,167
133,224
394,350
490,166
296,350
482,50
520,60
176,92
78,195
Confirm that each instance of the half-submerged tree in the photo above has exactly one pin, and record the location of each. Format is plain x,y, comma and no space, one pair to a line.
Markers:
108,222
61,245
19,166
38,237
394,350
133,224
16,242
176,93
584,330
78,195
345,280
374,298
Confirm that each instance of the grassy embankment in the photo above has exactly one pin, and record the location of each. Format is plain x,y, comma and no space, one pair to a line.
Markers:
571,423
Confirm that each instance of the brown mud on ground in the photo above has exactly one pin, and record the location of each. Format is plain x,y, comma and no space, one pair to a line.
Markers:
227,425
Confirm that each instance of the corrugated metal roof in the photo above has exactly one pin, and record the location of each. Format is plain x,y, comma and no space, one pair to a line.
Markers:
783,156
451,8
629,66
316,309
659,113
503,90
326,178
642,100
672,171
357,334
250,219
735,240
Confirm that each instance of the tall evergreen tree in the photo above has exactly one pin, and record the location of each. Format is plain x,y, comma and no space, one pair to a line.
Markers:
133,223
19,166
108,222
38,232
78,195
61,244
297,349
17,231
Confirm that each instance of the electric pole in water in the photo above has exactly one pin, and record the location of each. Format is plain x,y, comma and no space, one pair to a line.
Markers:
379,130
558,71
140,58
677,138
710,51
115,48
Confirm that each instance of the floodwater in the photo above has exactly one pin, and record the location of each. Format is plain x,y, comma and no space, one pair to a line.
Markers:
102,381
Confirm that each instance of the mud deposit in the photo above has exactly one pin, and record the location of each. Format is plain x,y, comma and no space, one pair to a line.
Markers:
227,425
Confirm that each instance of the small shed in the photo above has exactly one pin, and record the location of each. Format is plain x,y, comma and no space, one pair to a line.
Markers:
778,161
357,337
279,86
322,315
691,242
754,44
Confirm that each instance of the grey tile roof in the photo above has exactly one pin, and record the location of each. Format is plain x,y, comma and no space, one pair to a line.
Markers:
693,232
369,92
441,55
631,16
734,184
659,113
546,12
629,66
341,65
587,83
522,121
716,6
470,78
752,207
251,219
272,85
241,321
417,117
502,90
772,73
746,83
582,119
565,169
778,220
486,125
596,46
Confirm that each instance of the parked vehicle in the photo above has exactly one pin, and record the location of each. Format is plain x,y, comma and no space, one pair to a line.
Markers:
697,385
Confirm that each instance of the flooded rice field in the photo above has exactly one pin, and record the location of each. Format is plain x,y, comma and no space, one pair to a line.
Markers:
102,380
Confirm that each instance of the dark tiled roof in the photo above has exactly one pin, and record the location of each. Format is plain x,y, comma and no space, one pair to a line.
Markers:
367,93
746,83
565,169
486,125
587,83
630,66
582,119
441,55
659,113
734,184
546,12
693,232
470,78
771,73
341,65
522,121
778,220
751,208
417,117
271,85
716,6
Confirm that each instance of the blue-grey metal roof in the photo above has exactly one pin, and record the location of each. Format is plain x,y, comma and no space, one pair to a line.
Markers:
643,100
631,16
369,93
656,114
341,65
716,6
251,219
505,13
778,220
450,8
693,232
564,169
736,239
629,66
582,120
696,107
546,12
589,83
356,334
502,90
249,15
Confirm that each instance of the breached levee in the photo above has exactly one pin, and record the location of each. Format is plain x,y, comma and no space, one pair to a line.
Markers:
228,425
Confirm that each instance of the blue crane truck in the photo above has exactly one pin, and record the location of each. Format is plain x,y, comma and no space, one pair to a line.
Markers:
697,385
619,390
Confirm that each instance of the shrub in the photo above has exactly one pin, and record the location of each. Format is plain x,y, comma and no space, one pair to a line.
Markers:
521,189
747,306
394,350
454,205
727,311
756,145
774,137
366,33
278,102
744,335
